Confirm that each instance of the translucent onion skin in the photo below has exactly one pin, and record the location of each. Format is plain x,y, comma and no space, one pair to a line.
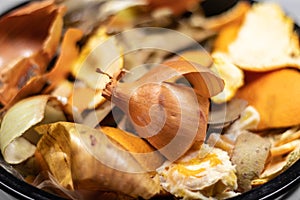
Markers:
83,158
17,139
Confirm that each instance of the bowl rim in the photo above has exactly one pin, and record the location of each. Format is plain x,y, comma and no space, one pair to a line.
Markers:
278,186
21,189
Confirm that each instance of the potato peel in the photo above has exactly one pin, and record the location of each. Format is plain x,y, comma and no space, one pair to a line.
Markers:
249,155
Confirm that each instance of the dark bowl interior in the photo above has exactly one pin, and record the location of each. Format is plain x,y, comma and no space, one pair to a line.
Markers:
280,185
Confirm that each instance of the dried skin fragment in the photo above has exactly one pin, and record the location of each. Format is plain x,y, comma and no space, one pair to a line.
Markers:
17,138
32,87
36,84
91,161
29,38
67,57
232,75
18,35
250,154
53,154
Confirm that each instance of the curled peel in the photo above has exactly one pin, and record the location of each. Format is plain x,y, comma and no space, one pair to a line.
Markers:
232,75
88,160
59,72
29,38
257,49
205,82
278,107
67,57
17,139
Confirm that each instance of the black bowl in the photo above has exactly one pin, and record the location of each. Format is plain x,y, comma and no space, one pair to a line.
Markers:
280,185
20,189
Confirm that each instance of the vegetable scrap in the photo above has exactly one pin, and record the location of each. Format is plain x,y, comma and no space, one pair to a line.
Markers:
146,99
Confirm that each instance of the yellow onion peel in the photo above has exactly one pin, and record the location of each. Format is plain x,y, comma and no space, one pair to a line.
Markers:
17,139
29,37
83,158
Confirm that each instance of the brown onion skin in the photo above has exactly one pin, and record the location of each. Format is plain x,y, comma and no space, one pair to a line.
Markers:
170,116
159,110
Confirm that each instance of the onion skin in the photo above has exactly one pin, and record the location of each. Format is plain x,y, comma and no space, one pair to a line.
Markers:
19,121
29,38
159,113
83,158
172,117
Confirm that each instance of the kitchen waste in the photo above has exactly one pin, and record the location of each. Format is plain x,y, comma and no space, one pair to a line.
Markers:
148,99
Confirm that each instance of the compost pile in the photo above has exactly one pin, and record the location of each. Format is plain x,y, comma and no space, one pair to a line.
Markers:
148,99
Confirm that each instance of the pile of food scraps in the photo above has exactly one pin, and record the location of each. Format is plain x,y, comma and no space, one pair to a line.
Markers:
148,99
